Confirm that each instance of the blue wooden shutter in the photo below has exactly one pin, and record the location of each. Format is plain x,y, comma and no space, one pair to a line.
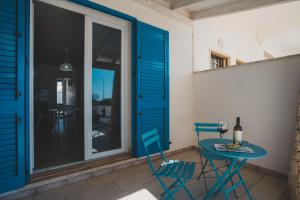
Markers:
151,92
12,104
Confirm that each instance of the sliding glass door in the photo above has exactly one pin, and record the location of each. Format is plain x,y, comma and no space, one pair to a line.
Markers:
105,64
81,84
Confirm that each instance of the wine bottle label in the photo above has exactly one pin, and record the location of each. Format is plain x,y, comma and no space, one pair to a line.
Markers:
238,137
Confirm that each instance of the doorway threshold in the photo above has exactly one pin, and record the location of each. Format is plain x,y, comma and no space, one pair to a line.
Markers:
64,170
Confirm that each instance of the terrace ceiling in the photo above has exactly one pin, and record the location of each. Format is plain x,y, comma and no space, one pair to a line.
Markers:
199,9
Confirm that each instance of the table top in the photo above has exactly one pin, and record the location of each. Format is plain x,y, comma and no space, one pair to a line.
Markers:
208,144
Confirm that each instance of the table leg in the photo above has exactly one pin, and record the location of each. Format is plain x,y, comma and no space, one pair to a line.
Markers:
215,170
232,183
244,185
237,167
219,183
242,181
226,177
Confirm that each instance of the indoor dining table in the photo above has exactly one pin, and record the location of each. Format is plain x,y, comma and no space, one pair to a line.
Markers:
238,160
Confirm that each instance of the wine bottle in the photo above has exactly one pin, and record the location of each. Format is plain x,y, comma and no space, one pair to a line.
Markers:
237,132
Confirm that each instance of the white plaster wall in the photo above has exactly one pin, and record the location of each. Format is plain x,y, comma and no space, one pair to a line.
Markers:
238,42
247,34
181,67
264,94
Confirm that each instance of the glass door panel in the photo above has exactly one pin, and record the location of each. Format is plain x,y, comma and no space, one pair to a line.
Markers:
106,75
58,86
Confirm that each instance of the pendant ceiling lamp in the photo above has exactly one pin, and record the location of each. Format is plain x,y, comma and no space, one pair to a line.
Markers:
66,66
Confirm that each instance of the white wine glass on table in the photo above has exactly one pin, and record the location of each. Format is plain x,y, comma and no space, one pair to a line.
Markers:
222,127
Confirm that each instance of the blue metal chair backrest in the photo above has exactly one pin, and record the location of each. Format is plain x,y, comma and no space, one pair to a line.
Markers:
149,139
206,128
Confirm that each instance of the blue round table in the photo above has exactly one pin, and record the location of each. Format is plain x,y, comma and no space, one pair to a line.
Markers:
238,160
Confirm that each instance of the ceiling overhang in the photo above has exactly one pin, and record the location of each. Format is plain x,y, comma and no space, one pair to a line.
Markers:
181,4
201,9
234,7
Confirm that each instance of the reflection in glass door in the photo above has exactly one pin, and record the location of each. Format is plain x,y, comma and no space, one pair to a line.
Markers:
105,63
106,76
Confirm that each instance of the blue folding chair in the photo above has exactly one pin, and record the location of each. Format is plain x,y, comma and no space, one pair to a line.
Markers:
205,155
180,171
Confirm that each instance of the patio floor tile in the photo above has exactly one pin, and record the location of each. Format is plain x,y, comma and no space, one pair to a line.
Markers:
134,181
106,190
138,183
88,195
270,188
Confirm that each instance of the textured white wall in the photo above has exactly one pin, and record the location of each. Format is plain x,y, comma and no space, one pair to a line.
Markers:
238,42
181,67
247,34
264,94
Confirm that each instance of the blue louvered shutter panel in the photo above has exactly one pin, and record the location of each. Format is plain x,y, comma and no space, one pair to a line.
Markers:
12,83
152,85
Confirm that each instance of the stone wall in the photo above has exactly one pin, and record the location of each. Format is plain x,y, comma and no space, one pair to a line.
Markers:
294,176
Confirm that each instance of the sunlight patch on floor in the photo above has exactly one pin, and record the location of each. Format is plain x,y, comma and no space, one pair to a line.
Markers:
140,194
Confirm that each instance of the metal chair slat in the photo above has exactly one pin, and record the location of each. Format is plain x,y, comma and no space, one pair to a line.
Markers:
149,134
180,171
173,168
151,140
192,169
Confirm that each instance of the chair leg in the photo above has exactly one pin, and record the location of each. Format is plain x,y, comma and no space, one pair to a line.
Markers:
170,187
203,167
168,196
166,192
188,192
185,189
202,173
180,186
169,193
232,183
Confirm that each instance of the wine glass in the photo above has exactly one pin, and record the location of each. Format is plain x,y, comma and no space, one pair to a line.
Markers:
222,127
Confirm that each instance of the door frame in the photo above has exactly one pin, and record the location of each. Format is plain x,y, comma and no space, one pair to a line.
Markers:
93,10
125,86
